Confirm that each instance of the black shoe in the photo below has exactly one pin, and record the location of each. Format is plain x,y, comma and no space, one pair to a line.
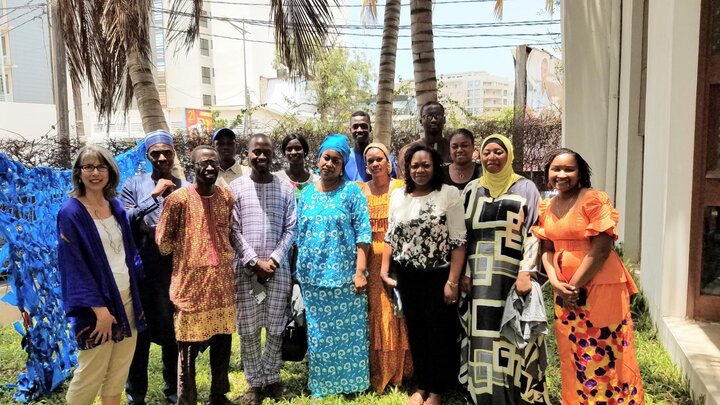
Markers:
220,400
132,400
275,390
252,397
172,398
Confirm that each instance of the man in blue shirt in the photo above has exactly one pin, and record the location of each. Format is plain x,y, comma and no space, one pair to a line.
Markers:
143,197
360,129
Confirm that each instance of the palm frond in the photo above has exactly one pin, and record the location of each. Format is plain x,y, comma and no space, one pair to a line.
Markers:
498,11
369,11
184,22
98,36
301,30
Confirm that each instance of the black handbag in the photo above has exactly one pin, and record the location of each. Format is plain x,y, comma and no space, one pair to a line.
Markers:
294,343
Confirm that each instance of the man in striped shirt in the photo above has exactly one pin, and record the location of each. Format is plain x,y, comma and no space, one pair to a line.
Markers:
263,231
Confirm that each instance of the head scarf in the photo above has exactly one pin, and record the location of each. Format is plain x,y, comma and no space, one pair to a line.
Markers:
338,143
498,183
159,136
384,150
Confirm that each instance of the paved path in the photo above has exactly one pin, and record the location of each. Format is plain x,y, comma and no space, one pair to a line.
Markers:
8,313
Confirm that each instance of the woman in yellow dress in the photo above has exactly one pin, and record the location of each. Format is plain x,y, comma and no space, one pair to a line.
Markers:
390,360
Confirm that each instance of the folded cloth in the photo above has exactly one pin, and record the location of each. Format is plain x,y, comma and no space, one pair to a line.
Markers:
524,318
297,306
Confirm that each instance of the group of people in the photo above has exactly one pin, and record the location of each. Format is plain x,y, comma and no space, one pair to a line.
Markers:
425,269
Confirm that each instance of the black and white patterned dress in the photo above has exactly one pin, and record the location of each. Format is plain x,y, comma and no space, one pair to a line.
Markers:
500,244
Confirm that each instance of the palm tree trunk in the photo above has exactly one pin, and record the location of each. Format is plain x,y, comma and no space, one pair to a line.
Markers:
423,51
386,74
148,99
146,93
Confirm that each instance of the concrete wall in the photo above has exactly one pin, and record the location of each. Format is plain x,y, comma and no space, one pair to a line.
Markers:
30,56
628,186
591,55
673,27
28,120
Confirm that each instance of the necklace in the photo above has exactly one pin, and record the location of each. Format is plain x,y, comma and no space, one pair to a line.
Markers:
116,244
461,173
560,212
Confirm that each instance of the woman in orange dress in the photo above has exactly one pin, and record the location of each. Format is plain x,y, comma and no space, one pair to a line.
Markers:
593,326
390,360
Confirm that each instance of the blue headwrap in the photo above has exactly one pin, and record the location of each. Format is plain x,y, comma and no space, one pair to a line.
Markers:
338,143
159,136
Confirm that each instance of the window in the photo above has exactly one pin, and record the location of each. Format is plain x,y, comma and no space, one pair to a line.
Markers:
203,19
207,100
204,47
3,51
206,75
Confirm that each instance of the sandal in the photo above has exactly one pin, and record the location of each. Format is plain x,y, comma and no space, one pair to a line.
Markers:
417,398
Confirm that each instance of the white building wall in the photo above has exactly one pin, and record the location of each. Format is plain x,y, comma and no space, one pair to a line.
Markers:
589,58
628,196
29,120
229,57
673,36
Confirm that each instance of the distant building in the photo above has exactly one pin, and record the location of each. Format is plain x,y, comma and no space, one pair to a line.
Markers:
477,92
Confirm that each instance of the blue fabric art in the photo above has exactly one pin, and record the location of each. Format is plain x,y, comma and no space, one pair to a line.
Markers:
29,202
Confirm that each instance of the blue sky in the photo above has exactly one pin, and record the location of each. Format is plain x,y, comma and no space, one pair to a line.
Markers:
496,61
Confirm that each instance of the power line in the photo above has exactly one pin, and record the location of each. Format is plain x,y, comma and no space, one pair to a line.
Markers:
32,19
233,3
267,23
22,15
508,35
368,47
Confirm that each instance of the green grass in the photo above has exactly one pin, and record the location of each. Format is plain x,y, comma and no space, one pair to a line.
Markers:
663,382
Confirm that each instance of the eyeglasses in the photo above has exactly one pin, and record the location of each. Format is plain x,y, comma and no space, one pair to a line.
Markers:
430,117
91,168
206,163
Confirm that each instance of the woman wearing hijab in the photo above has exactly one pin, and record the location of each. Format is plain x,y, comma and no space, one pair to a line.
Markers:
333,237
390,360
501,207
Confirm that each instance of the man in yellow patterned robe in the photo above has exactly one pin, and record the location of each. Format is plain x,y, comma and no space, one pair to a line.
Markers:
195,226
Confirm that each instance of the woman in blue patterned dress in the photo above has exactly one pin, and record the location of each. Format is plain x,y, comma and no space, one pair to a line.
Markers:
333,238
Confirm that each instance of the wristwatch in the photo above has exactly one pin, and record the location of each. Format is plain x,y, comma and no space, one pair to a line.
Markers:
252,262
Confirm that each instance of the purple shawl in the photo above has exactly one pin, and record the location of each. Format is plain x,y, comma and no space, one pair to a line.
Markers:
86,277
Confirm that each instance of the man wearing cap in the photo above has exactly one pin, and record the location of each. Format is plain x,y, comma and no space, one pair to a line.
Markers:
230,168
360,129
143,196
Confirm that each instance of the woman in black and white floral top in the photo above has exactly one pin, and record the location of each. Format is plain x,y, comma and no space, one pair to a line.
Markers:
425,241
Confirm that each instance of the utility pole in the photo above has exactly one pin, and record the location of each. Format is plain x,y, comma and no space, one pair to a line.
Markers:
248,114
59,71
518,127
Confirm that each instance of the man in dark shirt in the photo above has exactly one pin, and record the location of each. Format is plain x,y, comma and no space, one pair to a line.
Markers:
432,119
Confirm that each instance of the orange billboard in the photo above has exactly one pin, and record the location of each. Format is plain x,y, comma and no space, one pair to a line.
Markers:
198,123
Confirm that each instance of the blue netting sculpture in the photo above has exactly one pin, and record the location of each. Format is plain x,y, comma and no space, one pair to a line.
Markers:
29,202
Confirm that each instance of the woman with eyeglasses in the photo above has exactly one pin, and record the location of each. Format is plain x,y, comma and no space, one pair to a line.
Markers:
99,267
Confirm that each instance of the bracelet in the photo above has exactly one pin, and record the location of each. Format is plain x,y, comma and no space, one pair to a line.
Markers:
384,274
452,284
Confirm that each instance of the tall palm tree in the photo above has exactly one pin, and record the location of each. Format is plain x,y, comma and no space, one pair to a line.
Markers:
108,46
386,74
423,51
